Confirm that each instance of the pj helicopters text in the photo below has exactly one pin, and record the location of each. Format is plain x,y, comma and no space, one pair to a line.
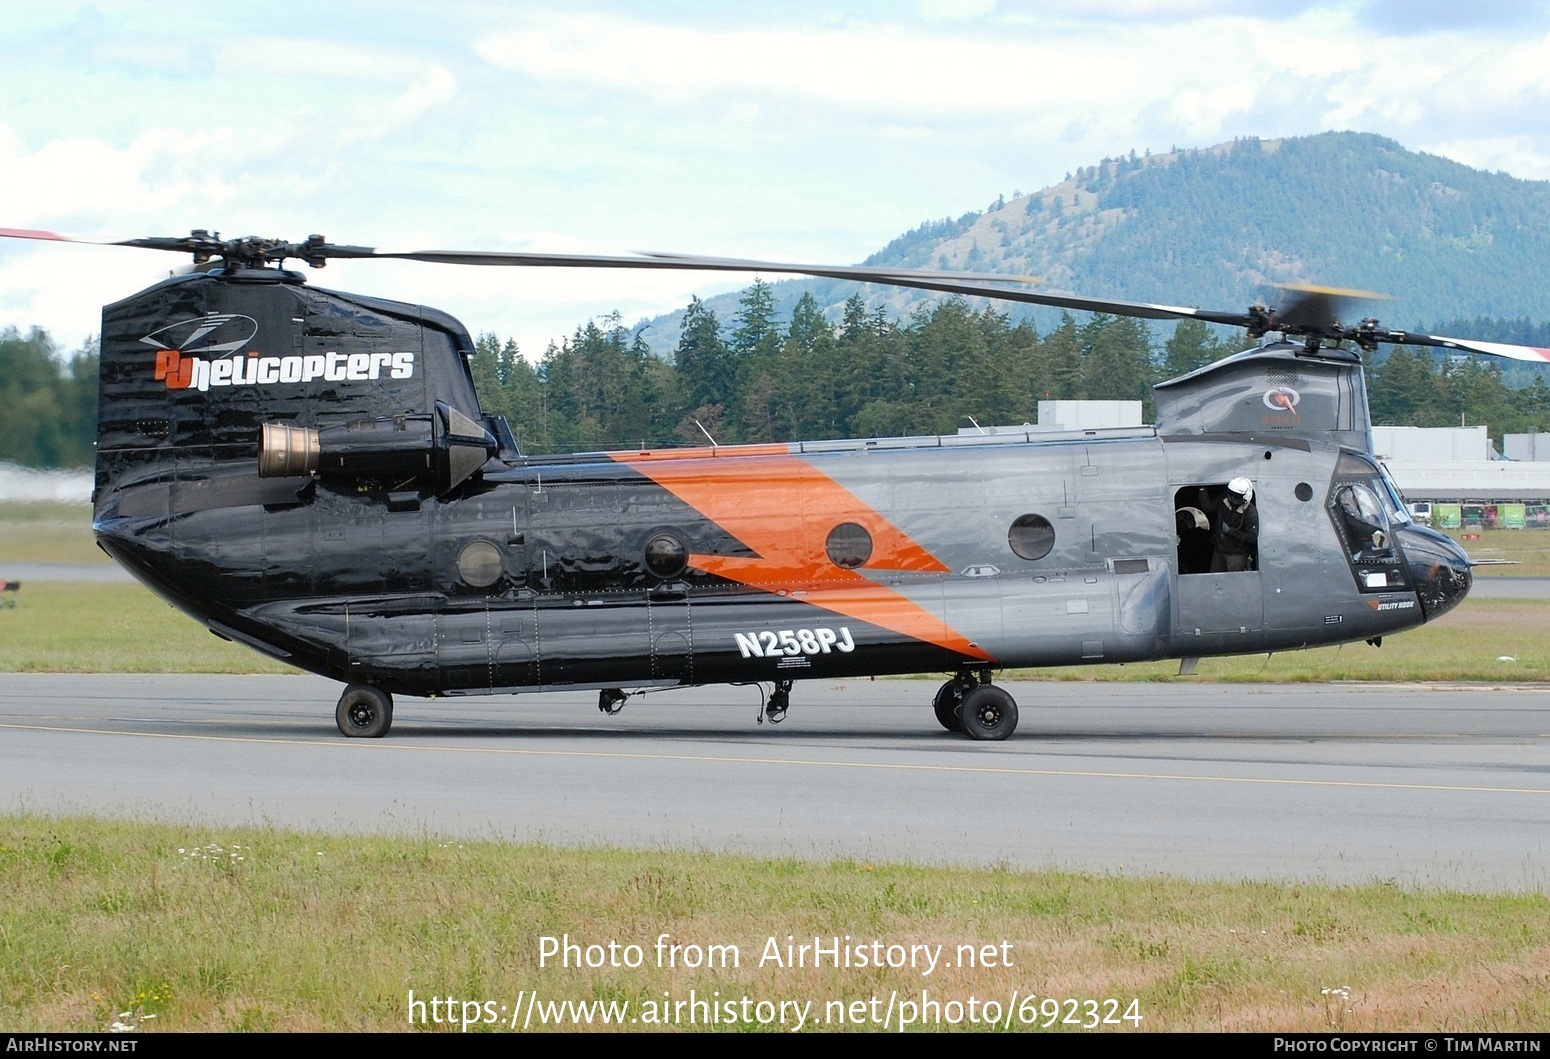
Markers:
309,472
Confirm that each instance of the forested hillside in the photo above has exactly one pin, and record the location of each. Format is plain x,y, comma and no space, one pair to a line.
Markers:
761,379
1215,226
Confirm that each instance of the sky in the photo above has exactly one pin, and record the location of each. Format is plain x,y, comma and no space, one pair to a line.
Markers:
800,131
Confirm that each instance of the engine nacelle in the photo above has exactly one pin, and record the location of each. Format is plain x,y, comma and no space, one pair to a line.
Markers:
388,453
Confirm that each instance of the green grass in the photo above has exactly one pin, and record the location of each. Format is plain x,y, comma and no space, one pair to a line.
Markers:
47,532
1528,551
77,627
213,928
77,514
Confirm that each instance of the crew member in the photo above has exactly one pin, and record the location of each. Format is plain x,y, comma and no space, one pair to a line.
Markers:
1235,537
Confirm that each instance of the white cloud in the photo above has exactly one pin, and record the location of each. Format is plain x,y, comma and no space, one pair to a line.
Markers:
363,78
84,177
954,10
435,87
1522,156
1182,79
816,135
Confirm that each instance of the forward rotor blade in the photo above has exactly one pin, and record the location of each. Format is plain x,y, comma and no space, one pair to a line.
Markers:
1507,350
1317,309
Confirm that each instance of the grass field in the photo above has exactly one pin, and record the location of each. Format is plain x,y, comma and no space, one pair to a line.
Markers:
161,927
1525,553
76,627
204,928
48,532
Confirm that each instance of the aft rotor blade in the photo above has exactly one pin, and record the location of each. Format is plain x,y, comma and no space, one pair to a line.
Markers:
683,262
1114,307
970,284
51,237
182,244
966,283
1312,312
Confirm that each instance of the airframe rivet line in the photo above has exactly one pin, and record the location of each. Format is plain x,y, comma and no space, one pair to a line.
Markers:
711,760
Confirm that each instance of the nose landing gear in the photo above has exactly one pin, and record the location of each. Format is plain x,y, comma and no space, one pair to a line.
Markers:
971,705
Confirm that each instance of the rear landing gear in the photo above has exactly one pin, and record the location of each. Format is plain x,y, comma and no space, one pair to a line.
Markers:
779,702
971,705
364,712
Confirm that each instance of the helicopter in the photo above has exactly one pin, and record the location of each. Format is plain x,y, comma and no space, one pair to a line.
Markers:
309,472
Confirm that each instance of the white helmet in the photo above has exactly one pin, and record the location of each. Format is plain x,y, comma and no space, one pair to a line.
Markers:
1243,490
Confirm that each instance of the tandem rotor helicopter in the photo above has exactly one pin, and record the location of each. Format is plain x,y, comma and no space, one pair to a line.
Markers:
309,472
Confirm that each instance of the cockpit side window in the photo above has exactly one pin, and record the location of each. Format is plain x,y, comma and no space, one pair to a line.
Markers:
1365,506
1365,523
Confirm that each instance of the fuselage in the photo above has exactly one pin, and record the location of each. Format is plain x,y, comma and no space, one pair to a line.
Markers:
787,562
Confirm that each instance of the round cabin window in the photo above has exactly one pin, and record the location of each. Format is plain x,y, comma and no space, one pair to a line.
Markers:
1031,536
665,555
479,564
849,545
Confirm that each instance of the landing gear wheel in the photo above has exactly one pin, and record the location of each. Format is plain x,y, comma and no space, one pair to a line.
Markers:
948,703
364,712
988,713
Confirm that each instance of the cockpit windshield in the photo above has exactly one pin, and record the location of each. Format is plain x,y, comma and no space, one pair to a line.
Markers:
1398,511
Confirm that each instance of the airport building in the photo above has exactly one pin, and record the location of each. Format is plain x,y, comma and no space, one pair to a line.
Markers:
1453,477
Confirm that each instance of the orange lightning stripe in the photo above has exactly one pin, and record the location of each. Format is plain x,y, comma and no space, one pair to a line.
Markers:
783,509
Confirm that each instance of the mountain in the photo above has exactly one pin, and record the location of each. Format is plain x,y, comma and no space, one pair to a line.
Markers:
1216,226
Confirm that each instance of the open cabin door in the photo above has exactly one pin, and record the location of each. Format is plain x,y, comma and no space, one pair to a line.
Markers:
1219,587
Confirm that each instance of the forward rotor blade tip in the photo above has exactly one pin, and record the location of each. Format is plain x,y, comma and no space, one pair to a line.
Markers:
1333,292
